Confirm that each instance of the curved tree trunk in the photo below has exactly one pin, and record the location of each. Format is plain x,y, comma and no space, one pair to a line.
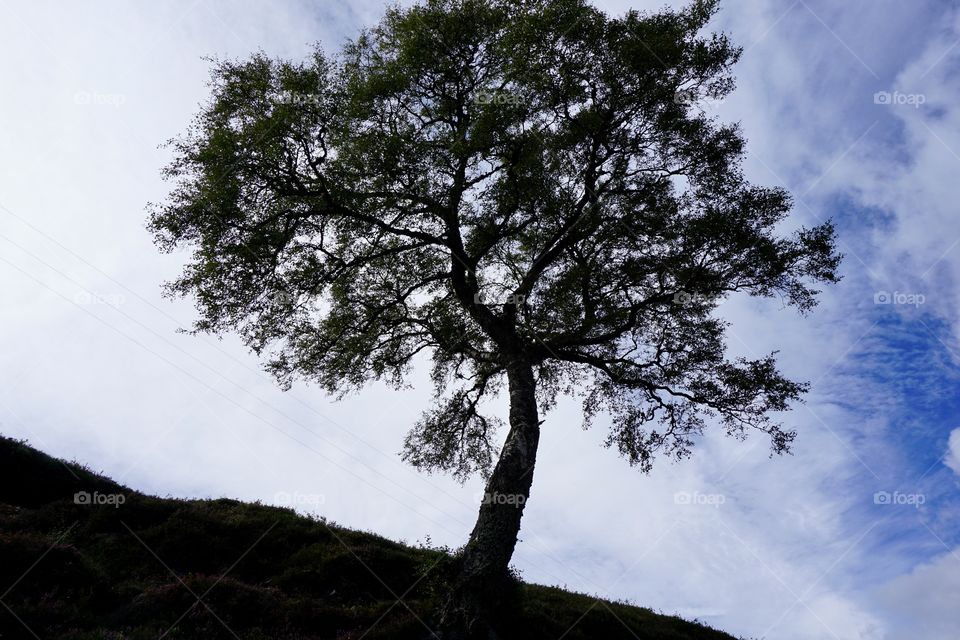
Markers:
482,592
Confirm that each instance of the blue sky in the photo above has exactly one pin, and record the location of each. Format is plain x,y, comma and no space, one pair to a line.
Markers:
793,547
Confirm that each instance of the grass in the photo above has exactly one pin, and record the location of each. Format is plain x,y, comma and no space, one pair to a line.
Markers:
157,567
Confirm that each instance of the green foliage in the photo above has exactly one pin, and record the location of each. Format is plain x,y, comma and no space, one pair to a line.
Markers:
492,181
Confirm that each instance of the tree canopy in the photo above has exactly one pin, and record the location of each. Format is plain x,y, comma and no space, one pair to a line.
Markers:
486,181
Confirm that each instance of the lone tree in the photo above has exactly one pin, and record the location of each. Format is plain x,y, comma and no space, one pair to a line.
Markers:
527,191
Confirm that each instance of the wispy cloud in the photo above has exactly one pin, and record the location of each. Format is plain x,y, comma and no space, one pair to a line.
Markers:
852,106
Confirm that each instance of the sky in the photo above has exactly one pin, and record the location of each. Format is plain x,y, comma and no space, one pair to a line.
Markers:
854,107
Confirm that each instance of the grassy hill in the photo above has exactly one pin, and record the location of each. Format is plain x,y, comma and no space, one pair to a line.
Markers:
153,567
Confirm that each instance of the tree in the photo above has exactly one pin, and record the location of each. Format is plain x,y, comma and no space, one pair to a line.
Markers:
526,191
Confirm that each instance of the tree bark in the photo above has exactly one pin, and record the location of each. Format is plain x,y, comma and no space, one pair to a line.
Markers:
482,597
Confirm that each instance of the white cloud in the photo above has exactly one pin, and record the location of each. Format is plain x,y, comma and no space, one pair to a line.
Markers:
923,603
952,458
113,385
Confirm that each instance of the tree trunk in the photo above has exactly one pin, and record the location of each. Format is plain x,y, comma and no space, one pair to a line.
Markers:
482,596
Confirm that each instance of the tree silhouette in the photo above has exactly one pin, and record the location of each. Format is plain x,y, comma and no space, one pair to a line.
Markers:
524,190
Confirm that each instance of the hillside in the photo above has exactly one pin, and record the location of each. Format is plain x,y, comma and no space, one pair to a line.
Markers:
153,567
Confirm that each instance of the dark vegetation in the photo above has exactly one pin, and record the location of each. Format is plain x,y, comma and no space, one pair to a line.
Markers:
134,571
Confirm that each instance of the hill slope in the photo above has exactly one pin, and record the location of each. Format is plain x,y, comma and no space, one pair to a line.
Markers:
153,567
